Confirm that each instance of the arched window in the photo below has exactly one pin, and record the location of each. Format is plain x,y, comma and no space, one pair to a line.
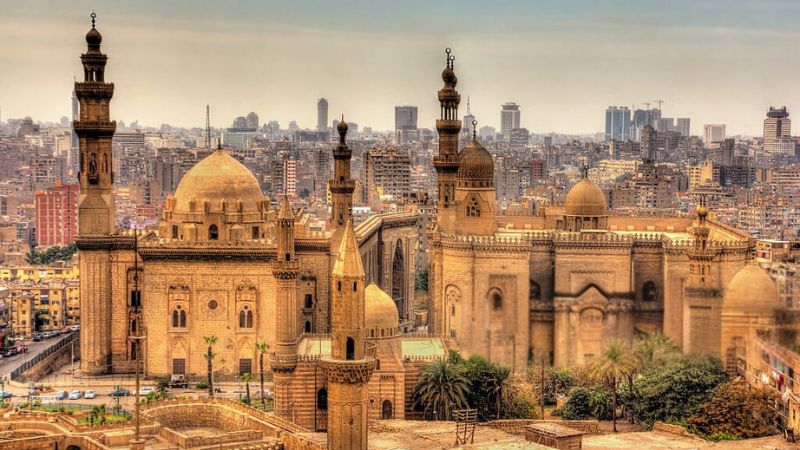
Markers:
473,208
649,292
386,410
497,301
213,233
308,327
322,399
246,317
535,291
178,317
350,350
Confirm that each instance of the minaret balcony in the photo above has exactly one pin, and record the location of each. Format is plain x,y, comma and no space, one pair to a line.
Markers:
348,371
286,270
94,127
342,186
282,363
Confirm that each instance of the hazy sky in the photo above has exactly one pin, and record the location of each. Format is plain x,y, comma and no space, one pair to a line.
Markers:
564,62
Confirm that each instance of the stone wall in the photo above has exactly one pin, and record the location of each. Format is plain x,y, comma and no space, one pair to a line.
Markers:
51,363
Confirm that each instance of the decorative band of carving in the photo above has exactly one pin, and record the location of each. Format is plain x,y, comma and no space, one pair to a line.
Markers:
282,363
286,270
348,372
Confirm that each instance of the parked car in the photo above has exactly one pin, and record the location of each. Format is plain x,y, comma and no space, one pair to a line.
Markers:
90,394
5,394
61,395
39,337
178,381
21,349
10,352
119,392
145,390
75,328
75,395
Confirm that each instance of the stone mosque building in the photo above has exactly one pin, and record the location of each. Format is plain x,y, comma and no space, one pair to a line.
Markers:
559,285
562,284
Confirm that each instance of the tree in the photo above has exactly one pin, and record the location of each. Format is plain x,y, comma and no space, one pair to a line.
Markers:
51,254
497,386
736,409
577,406
442,387
653,350
98,414
210,341
262,349
247,377
481,395
674,391
421,281
612,367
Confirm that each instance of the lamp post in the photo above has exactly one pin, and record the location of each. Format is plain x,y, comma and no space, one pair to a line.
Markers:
137,443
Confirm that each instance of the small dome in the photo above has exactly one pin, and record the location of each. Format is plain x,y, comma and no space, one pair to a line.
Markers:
475,163
342,127
585,199
449,76
218,178
380,310
751,291
93,38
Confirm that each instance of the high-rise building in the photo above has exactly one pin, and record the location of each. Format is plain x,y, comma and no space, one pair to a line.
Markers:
642,117
713,132
683,126
56,215
239,123
665,124
284,176
649,142
509,118
618,123
776,126
252,121
322,114
466,124
405,123
387,171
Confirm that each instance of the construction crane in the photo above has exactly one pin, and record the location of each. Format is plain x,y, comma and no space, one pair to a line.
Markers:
660,102
647,105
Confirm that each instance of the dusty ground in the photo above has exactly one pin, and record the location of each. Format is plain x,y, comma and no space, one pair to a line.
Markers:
398,434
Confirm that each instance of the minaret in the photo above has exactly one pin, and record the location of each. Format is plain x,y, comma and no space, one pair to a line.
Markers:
284,359
341,186
349,368
95,130
446,162
96,225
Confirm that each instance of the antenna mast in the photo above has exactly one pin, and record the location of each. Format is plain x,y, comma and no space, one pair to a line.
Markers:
208,129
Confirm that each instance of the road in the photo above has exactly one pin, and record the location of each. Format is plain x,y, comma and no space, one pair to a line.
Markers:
7,365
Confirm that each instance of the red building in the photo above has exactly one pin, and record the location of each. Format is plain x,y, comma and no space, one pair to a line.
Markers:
57,215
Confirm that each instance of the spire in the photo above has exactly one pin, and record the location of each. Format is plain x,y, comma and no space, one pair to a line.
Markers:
342,129
208,128
348,261
474,126
584,172
93,37
285,212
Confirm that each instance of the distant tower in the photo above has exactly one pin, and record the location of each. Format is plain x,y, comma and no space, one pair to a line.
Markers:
208,129
95,205
341,186
284,358
322,114
349,367
446,162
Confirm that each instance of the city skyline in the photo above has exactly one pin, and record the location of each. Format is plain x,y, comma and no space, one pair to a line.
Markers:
564,66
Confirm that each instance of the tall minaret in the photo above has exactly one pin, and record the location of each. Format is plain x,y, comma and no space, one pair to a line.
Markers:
96,225
349,367
446,162
341,186
284,359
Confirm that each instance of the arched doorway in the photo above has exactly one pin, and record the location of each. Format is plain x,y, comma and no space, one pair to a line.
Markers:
398,280
386,410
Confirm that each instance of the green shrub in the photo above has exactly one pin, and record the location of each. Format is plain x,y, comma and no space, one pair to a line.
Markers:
722,436
201,385
577,406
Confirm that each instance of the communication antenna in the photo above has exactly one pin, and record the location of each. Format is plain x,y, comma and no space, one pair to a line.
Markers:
208,128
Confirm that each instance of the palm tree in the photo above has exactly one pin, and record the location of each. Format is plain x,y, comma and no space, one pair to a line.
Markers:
247,377
262,349
613,366
653,350
210,341
98,414
497,386
442,387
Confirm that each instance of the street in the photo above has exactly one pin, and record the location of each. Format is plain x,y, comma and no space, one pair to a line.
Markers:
7,365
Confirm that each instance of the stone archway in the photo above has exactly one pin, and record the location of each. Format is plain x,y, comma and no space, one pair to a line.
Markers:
386,410
399,279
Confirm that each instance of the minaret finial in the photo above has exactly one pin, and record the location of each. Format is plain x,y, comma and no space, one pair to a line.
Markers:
474,129
585,171
447,58
93,15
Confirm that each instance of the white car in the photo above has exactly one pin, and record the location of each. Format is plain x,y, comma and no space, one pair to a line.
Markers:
89,394
75,395
145,390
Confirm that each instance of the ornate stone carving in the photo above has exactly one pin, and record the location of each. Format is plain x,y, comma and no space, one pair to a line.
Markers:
348,372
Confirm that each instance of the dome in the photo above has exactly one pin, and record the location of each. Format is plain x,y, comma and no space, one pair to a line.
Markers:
218,178
475,163
449,76
381,311
93,37
751,291
585,199
342,127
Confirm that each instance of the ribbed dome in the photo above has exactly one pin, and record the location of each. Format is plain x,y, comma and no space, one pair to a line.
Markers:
380,310
475,163
751,291
218,177
585,199
93,37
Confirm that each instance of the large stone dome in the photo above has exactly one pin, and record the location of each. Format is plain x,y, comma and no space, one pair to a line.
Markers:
475,165
380,312
585,199
218,179
751,291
